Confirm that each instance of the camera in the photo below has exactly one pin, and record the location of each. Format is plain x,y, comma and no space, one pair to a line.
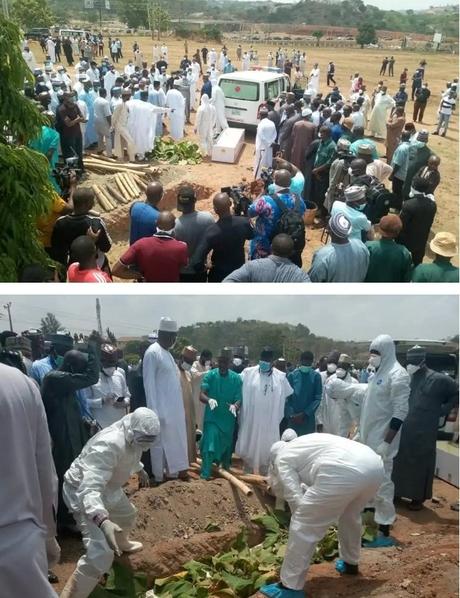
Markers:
267,177
63,174
241,201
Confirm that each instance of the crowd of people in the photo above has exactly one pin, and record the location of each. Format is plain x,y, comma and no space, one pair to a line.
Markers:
313,151
78,421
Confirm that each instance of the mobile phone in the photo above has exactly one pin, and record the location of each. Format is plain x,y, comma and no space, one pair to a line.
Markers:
96,225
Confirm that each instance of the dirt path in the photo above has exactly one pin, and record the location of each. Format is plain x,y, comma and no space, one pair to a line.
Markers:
174,517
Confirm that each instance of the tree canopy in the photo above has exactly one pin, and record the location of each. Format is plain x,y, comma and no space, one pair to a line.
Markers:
366,35
50,324
32,13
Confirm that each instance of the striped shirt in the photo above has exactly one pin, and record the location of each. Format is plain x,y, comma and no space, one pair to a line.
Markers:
447,105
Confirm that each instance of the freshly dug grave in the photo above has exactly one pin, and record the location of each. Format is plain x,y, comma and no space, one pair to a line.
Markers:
425,565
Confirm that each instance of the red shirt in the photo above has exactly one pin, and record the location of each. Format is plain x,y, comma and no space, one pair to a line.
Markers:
74,274
159,258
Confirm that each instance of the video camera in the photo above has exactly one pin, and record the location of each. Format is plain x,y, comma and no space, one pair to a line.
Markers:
241,201
266,175
63,174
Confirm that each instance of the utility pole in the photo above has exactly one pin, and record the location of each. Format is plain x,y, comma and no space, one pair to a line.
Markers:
7,306
98,315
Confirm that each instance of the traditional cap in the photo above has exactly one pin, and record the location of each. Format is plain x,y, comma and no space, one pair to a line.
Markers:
422,135
126,91
167,325
60,68
348,122
444,244
189,352
153,337
343,144
344,358
416,353
306,112
226,352
391,225
288,435
365,149
340,226
354,193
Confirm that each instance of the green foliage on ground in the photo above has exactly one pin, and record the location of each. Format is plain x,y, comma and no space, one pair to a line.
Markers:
173,152
26,190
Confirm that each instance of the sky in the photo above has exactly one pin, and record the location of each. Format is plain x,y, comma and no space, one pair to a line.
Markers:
349,317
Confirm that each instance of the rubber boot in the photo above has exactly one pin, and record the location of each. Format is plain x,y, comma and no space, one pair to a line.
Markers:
128,546
78,586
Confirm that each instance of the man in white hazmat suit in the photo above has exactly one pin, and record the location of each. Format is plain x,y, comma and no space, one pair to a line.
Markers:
120,122
325,479
379,115
28,497
93,492
340,389
218,101
163,394
176,101
265,390
385,408
205,123
265,138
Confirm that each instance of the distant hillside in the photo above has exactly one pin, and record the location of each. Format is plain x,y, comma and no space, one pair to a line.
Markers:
346,13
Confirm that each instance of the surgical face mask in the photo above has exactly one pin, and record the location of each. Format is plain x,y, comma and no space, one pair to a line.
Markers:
360,207
331,367
186,366
109,371
350,171
278,188
265,366
237,361
305,368
167,232
59,360
340,373
412,368
375,361
207,365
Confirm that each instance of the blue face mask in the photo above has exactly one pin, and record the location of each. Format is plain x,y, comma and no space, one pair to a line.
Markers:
305,368
361,207
265,366
59,360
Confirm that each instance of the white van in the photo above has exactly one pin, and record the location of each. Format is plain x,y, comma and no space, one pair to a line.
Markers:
72,33
246,91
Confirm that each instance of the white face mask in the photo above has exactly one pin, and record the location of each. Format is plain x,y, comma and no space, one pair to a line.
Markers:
375,361
207,365
331,367
412,368
109,371
340,373
237,361
186,366
350,171
167,232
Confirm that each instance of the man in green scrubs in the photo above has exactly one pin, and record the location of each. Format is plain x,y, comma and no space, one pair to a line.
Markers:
221,392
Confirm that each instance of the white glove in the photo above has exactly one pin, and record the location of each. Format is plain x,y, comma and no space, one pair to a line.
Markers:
109,529
383,449
232,409
212,404
53,552
143,477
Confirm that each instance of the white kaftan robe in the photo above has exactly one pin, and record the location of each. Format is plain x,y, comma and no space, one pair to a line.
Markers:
262,409
266,136
218,101
163,394
327,413
313,82
115,386
51,50
378,119
28,494
109,80
122,136
29,59
142,124
176,101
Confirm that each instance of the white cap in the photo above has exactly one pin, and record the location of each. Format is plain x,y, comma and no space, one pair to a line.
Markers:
288,435
306,112
167,325
153,337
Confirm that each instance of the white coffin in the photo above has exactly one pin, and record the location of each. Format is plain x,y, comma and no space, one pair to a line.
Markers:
447,462
228,146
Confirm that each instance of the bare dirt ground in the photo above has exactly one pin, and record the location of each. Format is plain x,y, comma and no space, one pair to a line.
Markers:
440,69
174,517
